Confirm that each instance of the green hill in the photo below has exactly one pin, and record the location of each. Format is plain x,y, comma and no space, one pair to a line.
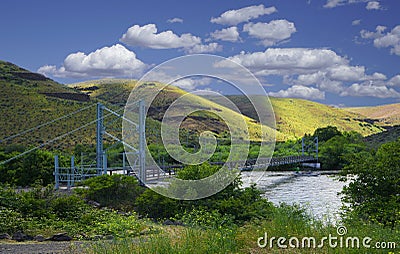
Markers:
294,117
29,99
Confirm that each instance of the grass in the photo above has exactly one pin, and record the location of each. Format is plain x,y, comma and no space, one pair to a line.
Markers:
286,222
385,115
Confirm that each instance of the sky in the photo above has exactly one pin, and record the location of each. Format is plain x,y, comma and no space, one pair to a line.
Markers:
338,52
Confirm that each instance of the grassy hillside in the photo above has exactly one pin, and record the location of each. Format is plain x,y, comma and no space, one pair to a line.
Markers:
384,115
117,92
29,99
296,117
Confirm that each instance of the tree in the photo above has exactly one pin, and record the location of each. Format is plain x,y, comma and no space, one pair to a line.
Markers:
326,133
374,194
334,152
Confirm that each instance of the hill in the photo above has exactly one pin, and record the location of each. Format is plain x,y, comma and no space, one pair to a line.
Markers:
294,117
117,93
384,115
29,99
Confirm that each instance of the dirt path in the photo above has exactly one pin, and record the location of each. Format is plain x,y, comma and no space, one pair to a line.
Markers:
43,248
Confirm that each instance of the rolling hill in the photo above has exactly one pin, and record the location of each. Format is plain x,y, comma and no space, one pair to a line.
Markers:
294,117
29,99
384,115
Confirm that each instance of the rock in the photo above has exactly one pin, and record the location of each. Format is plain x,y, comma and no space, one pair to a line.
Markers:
60,237
173,223
5,236
39,238
109,237
97,237
19,237
168,222
93,203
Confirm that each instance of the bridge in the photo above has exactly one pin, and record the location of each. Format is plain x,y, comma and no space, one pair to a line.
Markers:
80,171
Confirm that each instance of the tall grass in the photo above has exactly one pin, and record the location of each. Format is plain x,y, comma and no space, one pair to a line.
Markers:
287,222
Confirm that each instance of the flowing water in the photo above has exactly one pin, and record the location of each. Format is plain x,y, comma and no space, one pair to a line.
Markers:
319,194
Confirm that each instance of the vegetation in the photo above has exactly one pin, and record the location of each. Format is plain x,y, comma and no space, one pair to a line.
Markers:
374,194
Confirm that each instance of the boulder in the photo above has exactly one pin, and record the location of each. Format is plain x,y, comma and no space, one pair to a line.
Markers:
60,237
19,237
5,236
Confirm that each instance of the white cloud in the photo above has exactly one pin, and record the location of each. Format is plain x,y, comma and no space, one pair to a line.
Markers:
234,17
227,34
373,5
370,89
321,68
175,20
394,81
356,22
204,48
381,40
147,36
298,91
272,32
336,3
114,61
288,61
190,84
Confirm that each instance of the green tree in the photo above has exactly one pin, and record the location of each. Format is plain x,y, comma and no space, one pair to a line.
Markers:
326,133
334,152
374,194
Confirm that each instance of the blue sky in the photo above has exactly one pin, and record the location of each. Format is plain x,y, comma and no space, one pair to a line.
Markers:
339,52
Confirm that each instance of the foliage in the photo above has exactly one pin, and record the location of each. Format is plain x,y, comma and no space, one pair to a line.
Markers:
240,204
25,171
115,191
42,211
326,133
374,192
334,152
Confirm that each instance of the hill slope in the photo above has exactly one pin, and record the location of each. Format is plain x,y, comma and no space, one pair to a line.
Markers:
29,99
384,115
294,117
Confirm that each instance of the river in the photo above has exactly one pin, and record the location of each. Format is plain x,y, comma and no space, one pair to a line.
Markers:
318,194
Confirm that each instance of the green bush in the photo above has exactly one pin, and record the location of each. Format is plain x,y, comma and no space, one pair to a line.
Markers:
115,191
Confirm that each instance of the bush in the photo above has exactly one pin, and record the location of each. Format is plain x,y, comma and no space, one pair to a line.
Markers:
116,191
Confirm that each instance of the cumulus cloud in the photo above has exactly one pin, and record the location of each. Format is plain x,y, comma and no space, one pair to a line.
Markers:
204,48
298,91
373,5
288,61
272,32
147,36
394,81
114,61
336,3
321,68
175,20
381,40
370,89
234,17
227,34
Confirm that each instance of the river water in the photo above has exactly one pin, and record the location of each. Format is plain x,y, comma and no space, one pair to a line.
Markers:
318,194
